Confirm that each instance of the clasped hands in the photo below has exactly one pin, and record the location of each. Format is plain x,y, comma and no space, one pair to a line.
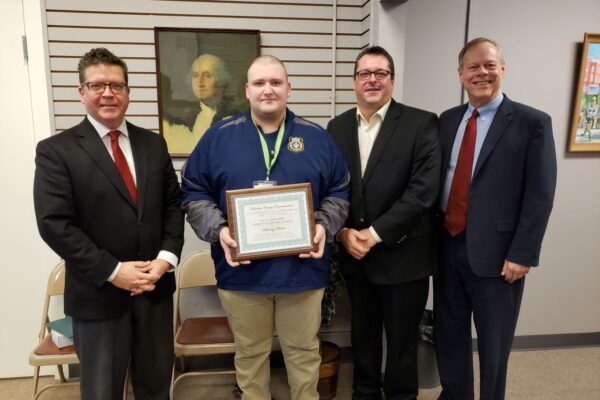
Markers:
357,243
228,244
138,277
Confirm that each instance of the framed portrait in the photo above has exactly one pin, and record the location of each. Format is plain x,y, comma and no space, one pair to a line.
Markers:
201,75
585,118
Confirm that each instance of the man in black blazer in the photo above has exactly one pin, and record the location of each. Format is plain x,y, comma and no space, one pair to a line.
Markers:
496,207
107,201
388,248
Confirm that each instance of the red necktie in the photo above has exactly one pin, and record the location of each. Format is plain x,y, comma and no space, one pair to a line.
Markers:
456,210
122,165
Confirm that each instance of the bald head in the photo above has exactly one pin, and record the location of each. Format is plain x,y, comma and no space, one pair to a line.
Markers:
267,60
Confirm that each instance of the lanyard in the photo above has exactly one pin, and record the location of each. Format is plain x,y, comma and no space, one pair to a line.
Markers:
269,163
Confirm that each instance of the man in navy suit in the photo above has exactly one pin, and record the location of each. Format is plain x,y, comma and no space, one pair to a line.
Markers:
498,180
107,201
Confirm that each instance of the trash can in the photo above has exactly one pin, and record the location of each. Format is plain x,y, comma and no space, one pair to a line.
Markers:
426,359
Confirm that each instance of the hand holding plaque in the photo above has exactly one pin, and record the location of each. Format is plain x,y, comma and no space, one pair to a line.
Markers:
271,221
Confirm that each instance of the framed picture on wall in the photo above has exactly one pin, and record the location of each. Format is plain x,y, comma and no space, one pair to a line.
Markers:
585,118
201,77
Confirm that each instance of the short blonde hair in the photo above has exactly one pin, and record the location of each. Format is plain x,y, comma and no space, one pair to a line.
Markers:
474,42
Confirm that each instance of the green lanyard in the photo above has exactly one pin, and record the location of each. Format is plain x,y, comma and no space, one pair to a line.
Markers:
265,149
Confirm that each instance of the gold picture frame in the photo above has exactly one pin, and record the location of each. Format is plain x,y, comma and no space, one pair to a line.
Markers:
584,135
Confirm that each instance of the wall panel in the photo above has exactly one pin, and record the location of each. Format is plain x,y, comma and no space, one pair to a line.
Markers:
300,33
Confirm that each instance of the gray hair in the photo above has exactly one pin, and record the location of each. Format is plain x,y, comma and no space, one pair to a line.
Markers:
221,71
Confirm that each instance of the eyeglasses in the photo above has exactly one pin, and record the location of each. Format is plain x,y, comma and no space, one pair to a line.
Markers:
99,87
366,75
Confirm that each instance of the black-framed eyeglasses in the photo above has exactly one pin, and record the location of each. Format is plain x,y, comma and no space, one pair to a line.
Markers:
380,75
100,87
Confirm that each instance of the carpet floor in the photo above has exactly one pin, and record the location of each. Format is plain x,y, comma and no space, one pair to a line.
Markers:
565,374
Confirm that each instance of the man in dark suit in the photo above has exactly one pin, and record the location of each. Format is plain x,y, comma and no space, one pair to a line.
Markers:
107,201
498,180
388,248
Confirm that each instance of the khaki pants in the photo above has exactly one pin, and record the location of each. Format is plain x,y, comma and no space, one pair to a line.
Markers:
253,317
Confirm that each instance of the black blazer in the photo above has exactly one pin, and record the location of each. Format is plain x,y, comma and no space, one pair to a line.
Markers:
512,189
396,193
85,214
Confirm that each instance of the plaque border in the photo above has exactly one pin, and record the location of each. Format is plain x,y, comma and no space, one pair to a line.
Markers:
234,224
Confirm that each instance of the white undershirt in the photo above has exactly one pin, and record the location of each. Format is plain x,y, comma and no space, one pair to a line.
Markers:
367,133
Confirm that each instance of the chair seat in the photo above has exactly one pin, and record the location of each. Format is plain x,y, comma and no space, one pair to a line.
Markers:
47,353
205,330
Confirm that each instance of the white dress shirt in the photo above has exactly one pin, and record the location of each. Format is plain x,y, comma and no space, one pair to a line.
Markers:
125,145
367,133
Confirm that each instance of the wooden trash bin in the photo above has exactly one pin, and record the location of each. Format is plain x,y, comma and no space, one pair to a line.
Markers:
328,373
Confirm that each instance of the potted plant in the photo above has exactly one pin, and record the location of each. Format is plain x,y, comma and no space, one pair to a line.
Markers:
330,352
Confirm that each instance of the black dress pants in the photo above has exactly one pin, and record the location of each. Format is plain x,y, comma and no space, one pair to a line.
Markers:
397,308
143,337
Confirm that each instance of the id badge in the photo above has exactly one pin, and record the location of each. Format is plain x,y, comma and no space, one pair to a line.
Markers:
262,184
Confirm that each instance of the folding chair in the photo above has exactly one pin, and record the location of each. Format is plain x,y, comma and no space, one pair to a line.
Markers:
199,335
46,352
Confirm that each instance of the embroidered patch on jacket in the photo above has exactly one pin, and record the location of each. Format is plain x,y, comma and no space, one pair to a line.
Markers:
295,144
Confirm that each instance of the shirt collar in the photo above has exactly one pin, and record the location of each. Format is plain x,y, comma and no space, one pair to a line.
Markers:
381,112
103,131
487,110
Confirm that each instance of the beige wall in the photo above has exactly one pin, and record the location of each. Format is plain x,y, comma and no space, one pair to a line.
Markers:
26,261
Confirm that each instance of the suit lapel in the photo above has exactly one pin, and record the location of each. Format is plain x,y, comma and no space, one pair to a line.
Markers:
501,121
95,148
140,159
388,127
349,135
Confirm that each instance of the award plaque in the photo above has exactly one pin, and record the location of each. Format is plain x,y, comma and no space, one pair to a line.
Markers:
271,221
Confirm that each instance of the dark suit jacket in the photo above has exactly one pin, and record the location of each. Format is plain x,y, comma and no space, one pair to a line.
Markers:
512,189
85,214
396,193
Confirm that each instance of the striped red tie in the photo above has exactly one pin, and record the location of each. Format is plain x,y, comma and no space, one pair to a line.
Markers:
122,165
456,210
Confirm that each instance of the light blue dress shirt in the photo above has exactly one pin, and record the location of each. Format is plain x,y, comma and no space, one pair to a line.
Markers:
484,121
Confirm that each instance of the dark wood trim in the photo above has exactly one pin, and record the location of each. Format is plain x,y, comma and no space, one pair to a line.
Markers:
101,27
199,15
124,58
309,47
98,42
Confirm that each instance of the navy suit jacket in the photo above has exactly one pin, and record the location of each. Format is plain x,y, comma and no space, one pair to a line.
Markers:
86,215
396,195
512,189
